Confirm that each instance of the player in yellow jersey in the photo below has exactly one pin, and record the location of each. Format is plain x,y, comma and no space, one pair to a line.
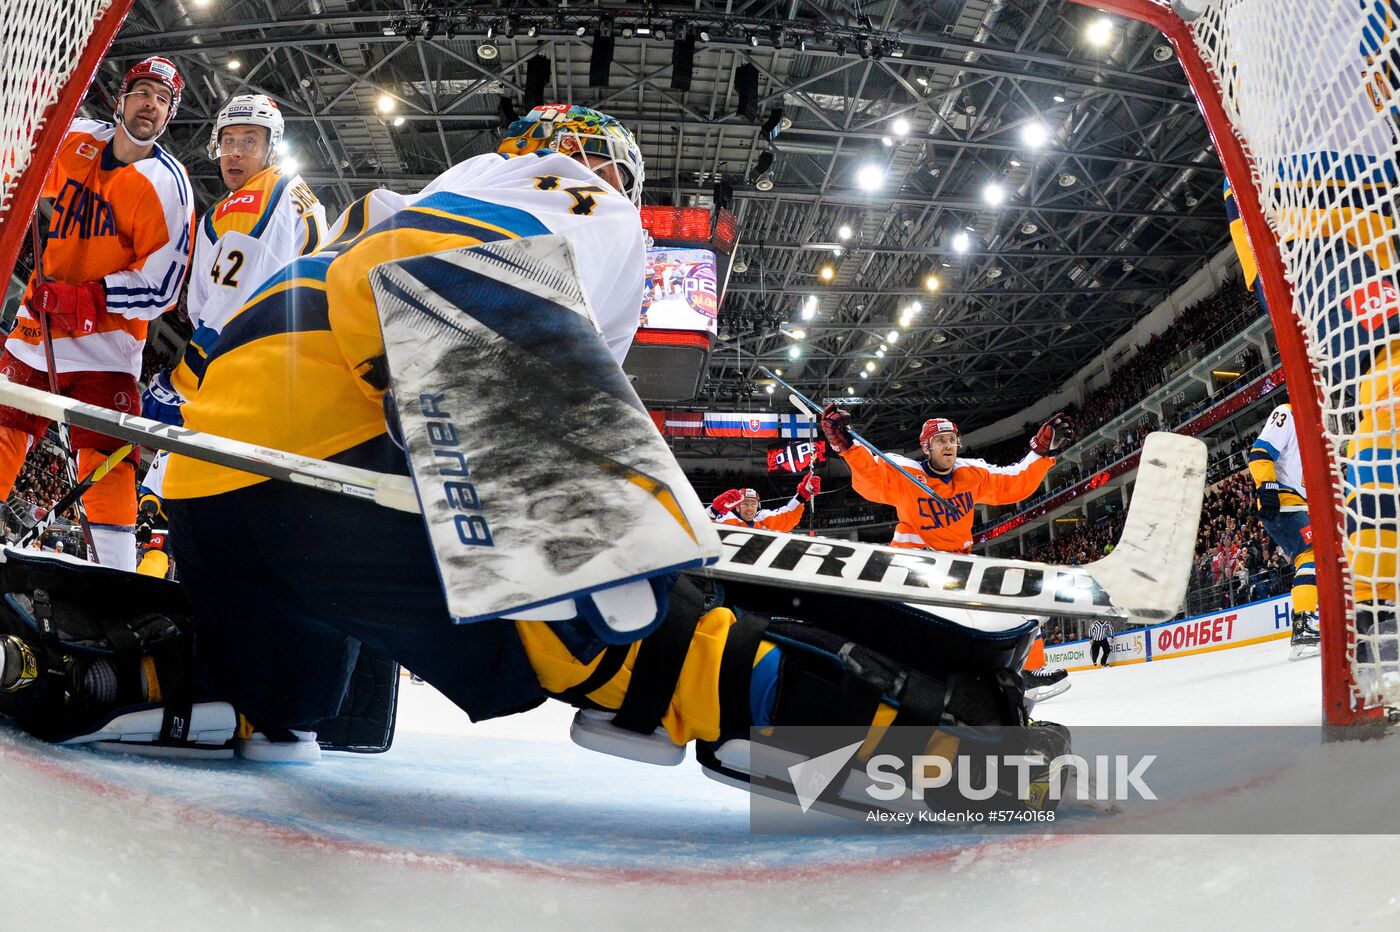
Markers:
268,218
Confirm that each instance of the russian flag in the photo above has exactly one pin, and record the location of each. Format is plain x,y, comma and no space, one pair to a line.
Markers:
741,425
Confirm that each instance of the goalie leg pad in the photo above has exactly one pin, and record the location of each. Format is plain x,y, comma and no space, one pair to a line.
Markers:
89,675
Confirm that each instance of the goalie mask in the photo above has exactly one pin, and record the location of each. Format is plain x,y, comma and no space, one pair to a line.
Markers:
249,110
569,130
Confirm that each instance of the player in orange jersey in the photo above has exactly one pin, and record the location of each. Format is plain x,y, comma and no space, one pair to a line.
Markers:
740,506
926,523
114,259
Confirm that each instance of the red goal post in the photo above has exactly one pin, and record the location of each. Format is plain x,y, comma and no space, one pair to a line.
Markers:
50,51
1320,345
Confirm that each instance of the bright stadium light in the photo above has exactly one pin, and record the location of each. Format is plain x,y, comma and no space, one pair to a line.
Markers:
794,352
827,273
870,366
1035,134
863,375
843,232
1099,32
289,165
808,312
870,176
385,104
961,242
900,127
994,194
932,282
892,336
916,306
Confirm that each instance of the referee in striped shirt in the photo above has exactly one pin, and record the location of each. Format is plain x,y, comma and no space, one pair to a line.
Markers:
1099,633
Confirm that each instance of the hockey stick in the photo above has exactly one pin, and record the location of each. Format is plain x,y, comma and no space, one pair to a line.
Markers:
76,493
391,491
1145,576
809,406
70,465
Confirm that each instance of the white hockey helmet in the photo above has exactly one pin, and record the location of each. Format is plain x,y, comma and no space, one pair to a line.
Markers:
249,110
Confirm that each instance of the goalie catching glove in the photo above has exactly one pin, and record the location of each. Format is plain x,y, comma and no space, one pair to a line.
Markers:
73,308
1053,435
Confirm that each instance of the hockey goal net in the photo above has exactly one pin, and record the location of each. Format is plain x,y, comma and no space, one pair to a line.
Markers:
50,50
1302,99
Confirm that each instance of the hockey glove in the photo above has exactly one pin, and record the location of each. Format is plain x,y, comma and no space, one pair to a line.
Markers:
161,402
1267,495
726,502
1053,435
809,486
836,424
73,308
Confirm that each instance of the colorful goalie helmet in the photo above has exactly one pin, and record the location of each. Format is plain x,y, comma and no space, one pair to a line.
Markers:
569,129
249,110
154,68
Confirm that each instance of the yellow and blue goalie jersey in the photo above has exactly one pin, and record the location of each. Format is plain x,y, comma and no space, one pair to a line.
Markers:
241,242
301,366
1274,457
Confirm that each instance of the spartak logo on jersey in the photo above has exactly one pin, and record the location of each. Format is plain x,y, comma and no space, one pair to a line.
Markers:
249,202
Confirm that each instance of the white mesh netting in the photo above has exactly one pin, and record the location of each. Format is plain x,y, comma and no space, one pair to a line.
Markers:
1312,88
41,42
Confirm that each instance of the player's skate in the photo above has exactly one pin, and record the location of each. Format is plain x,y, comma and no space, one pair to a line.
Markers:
1044,683
276,745
1306,640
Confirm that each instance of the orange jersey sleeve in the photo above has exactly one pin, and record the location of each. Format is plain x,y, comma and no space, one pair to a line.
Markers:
782,519
924,523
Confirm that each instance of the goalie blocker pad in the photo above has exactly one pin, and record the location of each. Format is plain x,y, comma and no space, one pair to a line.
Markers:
101,637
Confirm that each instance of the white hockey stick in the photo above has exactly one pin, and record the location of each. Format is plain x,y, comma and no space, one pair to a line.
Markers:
390,491
1145,576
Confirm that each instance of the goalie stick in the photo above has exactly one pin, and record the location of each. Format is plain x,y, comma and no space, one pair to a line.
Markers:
1144,578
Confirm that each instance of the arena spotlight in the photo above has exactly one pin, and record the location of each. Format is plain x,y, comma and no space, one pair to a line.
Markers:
932,282
794,352
843,232
900,127
385,104
994,194
827,273
892,337
1034,134
1099,32
961,241
870,176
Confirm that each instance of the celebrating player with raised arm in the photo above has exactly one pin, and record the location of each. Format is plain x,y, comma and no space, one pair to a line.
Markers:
740,506
924,522
267,219
114,259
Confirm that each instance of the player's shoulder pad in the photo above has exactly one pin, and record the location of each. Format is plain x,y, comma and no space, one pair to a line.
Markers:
902,461
168,178
97,129
247,210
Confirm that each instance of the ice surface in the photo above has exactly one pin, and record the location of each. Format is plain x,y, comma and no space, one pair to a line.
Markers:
507,824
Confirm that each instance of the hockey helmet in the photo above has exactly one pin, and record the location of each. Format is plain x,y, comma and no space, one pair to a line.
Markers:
749,494
936,425
569,129
249,110
154,68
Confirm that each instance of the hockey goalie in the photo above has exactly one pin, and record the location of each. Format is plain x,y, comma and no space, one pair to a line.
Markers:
283,585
